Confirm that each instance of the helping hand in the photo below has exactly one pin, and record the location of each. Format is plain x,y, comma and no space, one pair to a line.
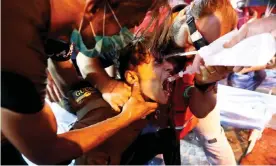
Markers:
180,29
208,74
264,25
116,93
136,107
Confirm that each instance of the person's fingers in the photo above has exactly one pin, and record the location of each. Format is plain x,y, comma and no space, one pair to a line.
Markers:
244,70
209,74
229,68
136,92
237,69
221,70
204,73
127,91
237,38
120,102
211,70
115,107
151,105
147,113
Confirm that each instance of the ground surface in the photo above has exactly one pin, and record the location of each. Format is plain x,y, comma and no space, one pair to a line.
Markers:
263,153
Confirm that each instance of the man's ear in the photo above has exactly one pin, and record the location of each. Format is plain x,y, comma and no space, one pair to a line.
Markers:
131,77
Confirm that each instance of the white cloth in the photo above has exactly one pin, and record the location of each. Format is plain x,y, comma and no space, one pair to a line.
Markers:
245,109
64,118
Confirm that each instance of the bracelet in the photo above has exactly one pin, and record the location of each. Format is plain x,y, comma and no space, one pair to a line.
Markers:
186,91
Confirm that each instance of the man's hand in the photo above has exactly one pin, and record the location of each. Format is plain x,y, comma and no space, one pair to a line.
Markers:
210,74
116,93
136,107
265,25
179,29
207,74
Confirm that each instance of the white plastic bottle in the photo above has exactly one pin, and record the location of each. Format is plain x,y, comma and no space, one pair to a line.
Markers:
256,50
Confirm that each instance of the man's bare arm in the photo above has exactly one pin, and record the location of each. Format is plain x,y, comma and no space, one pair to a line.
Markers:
201,103
35,136
263,25
92,71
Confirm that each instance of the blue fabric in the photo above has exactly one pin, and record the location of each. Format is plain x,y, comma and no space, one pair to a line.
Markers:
249,81
106,47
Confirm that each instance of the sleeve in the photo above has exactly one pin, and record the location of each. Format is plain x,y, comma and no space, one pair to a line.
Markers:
19,94
24,33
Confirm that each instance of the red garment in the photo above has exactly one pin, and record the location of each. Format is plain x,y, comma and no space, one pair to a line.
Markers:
147,21
183,117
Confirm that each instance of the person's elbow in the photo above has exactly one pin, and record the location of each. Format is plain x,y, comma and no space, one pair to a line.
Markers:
47,155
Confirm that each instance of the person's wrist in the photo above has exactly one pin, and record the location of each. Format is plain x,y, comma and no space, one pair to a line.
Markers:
206,87
187,92
125,118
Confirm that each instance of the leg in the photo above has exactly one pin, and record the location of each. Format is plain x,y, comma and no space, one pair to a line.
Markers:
214,141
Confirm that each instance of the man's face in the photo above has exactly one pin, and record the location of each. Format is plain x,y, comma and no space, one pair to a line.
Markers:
211,28
129,13
152,76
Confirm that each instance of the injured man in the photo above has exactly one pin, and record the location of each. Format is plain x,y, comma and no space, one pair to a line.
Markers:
148,72
146,75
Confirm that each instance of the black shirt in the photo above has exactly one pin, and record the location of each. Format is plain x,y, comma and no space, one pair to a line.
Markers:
25,25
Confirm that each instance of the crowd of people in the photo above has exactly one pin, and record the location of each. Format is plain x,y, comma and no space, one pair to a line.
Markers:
60,50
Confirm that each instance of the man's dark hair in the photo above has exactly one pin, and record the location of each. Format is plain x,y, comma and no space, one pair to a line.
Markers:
138,52
131,56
